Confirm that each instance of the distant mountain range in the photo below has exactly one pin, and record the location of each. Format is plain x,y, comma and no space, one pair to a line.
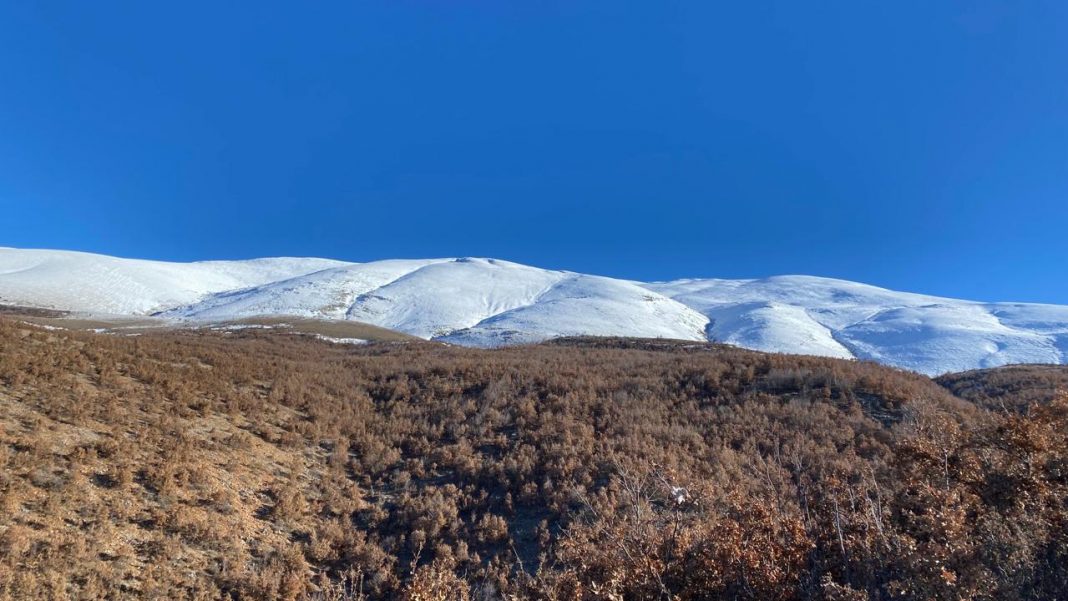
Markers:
489,302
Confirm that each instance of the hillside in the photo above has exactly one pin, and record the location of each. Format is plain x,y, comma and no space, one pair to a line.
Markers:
98,284
263,464
1014,388
488,302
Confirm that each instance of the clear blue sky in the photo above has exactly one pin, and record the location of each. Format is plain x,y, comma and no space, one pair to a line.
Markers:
916,145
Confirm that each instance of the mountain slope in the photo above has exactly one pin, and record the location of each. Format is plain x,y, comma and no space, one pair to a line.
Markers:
832,317
587,305
83,282
258,464
770,326
327,294
477,302
488,302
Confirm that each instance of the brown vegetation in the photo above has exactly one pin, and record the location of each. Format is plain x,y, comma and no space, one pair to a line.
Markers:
20,311
264,465
1012,388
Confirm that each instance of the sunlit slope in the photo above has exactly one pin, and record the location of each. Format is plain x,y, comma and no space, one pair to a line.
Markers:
833,317
83,282
480,302
488,302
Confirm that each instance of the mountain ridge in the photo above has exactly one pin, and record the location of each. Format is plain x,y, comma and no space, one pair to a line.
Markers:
490,302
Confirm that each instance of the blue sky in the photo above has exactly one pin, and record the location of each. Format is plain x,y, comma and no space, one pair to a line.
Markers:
916,145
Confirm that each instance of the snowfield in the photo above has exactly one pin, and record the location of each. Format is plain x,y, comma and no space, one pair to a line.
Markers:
836,318
488,302
88,283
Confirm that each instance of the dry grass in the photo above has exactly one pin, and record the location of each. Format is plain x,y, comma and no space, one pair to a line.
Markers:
262,464
146,325
324,327
20,311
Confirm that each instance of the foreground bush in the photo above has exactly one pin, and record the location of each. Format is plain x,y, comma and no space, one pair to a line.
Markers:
267,466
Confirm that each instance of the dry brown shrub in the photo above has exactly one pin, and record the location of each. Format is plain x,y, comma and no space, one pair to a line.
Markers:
263,465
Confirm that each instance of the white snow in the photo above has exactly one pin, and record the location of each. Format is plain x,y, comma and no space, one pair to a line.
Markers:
771,326
333,340
479,302
328,293
487,302
89,283
587,305
823,316
946,337
440,298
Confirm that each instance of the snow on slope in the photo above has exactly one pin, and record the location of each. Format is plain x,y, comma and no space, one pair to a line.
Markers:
837,302
444,297
481,302
327,294
485,302
770,326
587,305
946,337
89,283
832,317
1051,320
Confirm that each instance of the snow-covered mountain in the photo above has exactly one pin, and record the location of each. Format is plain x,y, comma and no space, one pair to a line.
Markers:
836,318
487,302
99,284
479,302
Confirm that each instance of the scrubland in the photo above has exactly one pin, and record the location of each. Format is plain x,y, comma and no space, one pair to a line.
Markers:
258,464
